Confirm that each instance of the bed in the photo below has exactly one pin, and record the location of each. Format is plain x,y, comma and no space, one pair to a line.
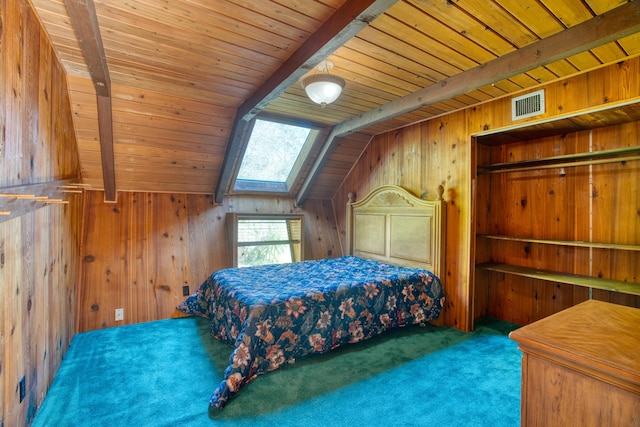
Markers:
273,314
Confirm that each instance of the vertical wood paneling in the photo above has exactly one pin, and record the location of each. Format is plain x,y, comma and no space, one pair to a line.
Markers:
205,220
448,154
617,195
39,250
39,263
41,162
12,51
30,72
140,252
15,360
41,301
25,289
420,158
596,203
4,280
553,201
139,245
320,225
4,87
102,269
170,253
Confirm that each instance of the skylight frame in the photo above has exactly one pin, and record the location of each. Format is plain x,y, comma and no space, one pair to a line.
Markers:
243,186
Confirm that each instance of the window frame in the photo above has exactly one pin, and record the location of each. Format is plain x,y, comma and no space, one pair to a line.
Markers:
232,227
244,186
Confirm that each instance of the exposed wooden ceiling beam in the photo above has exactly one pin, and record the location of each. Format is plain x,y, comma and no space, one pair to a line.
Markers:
345,23
85,24
608,27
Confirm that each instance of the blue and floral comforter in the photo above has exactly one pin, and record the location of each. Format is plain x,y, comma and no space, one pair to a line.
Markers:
273,314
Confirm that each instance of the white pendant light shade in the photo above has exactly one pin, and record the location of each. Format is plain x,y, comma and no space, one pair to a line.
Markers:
323,88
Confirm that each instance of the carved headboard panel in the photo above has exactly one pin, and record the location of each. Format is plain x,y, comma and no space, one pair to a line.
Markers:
394,226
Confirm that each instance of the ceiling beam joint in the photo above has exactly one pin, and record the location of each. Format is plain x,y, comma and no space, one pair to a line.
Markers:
343,25
608,27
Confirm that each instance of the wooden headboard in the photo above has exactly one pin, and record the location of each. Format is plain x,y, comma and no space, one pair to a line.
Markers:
394,226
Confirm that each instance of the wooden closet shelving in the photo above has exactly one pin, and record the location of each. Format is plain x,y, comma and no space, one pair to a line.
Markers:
568,278
575,243
498,244
580,159
552,276
569,160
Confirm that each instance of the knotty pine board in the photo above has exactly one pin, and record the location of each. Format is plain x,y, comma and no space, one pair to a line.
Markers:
39,250
140,252
597,203
446,145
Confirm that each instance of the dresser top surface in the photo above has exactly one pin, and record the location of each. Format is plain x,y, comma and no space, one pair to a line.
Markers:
592,332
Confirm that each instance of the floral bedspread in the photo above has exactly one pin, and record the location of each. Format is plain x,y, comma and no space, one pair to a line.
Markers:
273,314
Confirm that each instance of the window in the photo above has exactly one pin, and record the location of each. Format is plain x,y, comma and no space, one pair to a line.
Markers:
265,239
274,155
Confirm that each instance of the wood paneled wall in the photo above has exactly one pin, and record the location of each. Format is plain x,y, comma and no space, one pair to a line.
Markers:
598,203
139,253
419,158
441,151
40,249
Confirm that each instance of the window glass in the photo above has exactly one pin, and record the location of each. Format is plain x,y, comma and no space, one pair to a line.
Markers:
268,240
272,151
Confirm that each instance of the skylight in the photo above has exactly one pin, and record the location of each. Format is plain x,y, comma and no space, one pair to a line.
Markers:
272,155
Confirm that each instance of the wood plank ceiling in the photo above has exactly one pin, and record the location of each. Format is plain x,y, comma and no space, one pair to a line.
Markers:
184,74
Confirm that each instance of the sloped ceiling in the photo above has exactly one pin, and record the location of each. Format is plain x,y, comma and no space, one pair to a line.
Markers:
179,79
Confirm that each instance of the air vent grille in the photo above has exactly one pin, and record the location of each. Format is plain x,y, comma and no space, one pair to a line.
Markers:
529,105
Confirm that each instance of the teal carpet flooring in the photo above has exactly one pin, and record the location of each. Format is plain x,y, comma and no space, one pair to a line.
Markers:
163,373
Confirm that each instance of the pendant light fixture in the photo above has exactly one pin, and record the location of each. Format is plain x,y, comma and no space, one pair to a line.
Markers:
323,88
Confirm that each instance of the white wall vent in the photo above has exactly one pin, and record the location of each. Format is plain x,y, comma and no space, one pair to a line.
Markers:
528,105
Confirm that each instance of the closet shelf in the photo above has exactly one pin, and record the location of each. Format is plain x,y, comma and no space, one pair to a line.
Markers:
577,243
568,160
568,278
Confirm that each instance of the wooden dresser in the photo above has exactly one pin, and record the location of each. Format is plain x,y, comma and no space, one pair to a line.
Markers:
581,367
